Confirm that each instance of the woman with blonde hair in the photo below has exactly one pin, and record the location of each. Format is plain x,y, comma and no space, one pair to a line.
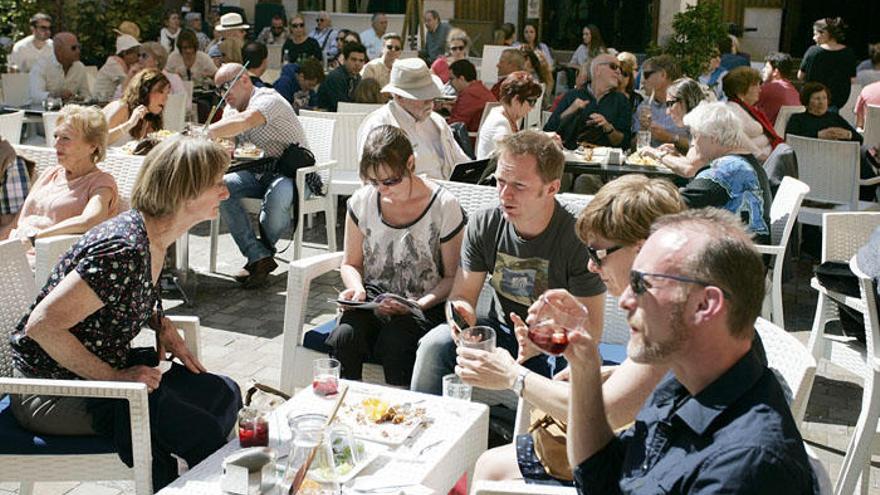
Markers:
231,50
458,45
139,111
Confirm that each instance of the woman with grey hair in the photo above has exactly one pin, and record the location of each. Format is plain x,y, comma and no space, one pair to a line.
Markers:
734,180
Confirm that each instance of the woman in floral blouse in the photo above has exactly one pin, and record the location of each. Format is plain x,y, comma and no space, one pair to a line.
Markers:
97,299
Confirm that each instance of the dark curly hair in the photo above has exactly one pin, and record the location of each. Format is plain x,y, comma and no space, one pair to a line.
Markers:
834,26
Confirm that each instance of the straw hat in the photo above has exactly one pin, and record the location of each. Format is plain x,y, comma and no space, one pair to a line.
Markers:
129,28
410,78
125,42
230,21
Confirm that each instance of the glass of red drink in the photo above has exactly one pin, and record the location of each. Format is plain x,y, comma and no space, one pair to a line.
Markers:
325,377
557,317
253,428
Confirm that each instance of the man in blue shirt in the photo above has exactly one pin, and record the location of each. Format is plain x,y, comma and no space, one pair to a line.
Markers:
719,422
657,74
297,84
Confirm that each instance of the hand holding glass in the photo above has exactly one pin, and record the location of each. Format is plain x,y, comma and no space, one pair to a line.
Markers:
556,317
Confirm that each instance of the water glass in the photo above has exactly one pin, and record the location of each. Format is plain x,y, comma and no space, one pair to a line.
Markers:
643,139
325,376
479,337
455,388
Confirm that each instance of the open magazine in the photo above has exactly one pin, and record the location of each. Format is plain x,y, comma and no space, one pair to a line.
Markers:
413,307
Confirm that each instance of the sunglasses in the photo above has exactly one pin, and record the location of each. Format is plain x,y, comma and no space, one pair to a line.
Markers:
611,65
532,101
648,73
456,48
639,285
386,182
43,28
297,24
322,20
392,48
223,88
144,55
670,103
597,255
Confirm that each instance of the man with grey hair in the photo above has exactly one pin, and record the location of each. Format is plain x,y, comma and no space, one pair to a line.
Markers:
435,39
511,60
62,75
372,38
325,35
194,21
29,50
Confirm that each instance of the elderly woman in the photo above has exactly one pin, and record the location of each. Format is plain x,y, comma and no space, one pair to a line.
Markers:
75,195
139,112
519,94
99,296
398,220
829,61
682,96
734,179
742,86
458,44
117,67
155,56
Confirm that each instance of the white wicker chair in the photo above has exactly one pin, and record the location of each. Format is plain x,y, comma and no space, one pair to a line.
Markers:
16,89
831,169
174,115
872,125
10,126
847,111
273,59
42,156
785,113
319,134
345,107
533,118
49,119
842,235
783,215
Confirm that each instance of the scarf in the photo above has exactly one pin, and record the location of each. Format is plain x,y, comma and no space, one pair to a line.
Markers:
758,115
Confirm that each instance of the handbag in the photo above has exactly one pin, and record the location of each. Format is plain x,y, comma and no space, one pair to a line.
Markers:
548,435
294,158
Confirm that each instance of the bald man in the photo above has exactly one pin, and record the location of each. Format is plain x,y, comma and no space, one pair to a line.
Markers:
62,75
511,60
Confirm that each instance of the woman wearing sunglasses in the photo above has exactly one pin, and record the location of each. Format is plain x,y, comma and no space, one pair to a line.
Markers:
519,94
682,96
300,46
459,44
402,237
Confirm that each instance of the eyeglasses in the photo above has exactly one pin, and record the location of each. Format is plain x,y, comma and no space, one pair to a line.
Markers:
386,182
639,285
611,65
532,101
297,24
456,48
223,88
597,255
322,20
670,103
392,48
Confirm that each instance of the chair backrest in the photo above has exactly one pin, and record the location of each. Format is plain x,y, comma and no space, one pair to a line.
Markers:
42,156
869,300
785,113
49,119
615,329
271,75
319,133
830,168
189,86
533,118
847,111
91,77
344,149
346,107
274,58
872,125
17,293
174,115
16,89
784,210
10,126
793,364
488,108
545,116
124,168
489,72
844,233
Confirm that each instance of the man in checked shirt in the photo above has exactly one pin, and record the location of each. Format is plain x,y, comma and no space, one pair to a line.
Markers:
16,176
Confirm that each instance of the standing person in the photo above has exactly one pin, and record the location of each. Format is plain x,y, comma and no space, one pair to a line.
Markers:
117,67
380,68
341,81
472,95
189,62
276,33
325,36
27,51
297,84
530,39
263,117
139,111
458,43
298,46
657,74
63,75
435,39
829,61
100,295
194,23
776,88
591,46
373,38
519,94
397,219
168,34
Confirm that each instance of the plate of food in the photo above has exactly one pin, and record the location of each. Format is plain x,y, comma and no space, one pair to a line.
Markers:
248,151
642,160
379,420
161,134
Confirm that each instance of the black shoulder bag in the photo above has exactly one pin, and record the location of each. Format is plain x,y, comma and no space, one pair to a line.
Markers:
294,158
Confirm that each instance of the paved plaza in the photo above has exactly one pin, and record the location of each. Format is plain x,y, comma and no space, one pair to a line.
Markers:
242,337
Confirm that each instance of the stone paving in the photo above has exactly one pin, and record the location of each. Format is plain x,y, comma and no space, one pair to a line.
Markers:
242,338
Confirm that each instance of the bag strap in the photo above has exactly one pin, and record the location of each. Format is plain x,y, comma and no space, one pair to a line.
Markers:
263,388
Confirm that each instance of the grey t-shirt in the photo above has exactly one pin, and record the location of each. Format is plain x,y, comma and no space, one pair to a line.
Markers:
521,270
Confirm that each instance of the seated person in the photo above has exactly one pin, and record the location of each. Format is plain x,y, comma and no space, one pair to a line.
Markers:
16,179
742,86
714,75
776,88
75,195
139,111
100,294
564,103
519,94
398,219
341,81
613,240
458,45
299,46
526,245
62,75
116,69
657,74
256,56
368,90
733,179
189,62
472,95
719,423
154,56
682,96
380,67
511,60
297,83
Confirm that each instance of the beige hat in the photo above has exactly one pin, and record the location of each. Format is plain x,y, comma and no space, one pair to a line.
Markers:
125,42
230,21
410,78
130,28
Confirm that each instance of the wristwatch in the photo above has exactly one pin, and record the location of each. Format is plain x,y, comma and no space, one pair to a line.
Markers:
520,382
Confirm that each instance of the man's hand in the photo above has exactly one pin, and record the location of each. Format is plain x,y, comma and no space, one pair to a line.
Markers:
527,349
494,370
169,341
582,351
599,120
660,134
143,374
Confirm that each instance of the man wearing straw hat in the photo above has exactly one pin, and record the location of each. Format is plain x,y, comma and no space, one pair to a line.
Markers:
232,26
116,69
413,90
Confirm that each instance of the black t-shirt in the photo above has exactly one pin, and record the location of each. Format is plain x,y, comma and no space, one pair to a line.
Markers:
296,53
808,125
833,68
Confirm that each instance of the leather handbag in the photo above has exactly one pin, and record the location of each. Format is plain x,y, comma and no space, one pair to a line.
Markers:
548,436
294,158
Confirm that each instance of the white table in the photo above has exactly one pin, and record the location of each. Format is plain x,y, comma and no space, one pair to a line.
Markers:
461,427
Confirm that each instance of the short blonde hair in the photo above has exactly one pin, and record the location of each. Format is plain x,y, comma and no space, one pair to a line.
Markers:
624,209
180,168
90,123
157,51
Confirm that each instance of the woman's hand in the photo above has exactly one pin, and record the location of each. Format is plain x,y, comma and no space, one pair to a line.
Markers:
390,307
527,349
136,116
169,341
359,295
143,374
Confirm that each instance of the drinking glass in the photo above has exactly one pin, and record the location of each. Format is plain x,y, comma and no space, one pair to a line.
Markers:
325,376
253,428
308,432
555,319
643,139
455,388
478,337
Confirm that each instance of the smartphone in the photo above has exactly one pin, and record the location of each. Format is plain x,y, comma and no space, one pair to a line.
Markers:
454,318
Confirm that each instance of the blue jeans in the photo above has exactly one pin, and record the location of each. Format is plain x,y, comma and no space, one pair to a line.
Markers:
279,201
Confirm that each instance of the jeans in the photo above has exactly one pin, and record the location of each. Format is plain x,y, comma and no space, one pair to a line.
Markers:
279,201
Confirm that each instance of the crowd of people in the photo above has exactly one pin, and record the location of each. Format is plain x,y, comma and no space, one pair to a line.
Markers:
706,411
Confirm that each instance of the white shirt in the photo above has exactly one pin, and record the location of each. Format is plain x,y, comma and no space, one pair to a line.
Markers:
203,68
493,129
168,39
759,142
26,55
110,76
47,78
373,43
376,69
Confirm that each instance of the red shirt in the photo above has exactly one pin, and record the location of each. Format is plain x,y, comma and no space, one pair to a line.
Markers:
775,94
496,89
469,106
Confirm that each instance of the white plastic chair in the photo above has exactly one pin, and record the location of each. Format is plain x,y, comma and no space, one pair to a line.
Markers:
533,118
831,169
847,111
785,113
346,107
10,126
174,115
489,71
783,215
42,156
872,125
16,89
273,60
49,119
545,116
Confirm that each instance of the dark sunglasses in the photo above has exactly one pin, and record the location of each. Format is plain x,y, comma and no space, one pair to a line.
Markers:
386,182
297,24
456,48
671,102
597,255
223,88
639,285
611,65
532,101
393,48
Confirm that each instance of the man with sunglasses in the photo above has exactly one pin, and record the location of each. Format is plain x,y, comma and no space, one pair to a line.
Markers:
276,33
62,75
720,422
657,74
379,68
325,36
263,117
373,38
29,50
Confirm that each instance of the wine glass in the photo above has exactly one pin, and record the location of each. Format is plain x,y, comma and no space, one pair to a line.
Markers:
556,317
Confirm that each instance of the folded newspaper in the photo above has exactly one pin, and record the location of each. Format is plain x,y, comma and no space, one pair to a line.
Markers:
411,305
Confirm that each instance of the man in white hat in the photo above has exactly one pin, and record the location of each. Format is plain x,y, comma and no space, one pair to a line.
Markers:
232,26
413,90
117,68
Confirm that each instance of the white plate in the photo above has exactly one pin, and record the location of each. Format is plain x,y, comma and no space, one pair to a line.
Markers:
248,156
385,433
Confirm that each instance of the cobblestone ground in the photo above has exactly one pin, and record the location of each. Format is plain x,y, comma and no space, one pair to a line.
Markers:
242,338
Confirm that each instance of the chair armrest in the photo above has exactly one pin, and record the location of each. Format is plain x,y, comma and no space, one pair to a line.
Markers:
47,251
869,182
192,330
317,168
518,487
768,249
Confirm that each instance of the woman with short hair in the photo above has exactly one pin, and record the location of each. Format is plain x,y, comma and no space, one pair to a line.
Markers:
742,86
458,45
829,61
189,63
139,111
519,94
682,96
